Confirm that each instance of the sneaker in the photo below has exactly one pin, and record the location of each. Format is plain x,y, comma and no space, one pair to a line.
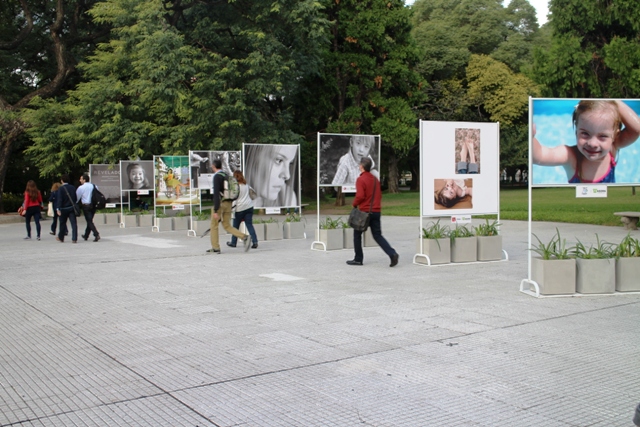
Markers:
231,245
213,251
247,242
38,237
254,246
394,260
27,238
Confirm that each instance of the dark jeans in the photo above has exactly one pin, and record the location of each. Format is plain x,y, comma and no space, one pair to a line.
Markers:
54,222
64,214
33,211
247,217
374,224
88,216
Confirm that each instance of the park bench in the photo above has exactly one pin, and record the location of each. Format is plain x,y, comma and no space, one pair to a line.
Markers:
629,219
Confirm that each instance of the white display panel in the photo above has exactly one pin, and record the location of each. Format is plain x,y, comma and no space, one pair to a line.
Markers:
441,149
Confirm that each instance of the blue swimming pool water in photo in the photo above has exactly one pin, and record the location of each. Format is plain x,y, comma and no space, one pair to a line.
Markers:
552,118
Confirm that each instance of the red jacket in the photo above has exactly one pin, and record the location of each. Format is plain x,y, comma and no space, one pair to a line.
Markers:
28,202
364,190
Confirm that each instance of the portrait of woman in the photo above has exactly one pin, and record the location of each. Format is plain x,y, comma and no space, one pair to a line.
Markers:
272,170
453,193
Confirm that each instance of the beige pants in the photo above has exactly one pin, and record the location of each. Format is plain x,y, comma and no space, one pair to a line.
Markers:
224,213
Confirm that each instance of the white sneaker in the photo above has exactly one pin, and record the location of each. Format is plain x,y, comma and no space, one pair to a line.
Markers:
247,242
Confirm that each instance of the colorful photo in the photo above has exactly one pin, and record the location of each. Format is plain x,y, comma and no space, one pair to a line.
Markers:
172,182
453,194
467,151
585,141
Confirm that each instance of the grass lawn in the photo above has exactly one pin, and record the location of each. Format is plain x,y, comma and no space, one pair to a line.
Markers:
549,204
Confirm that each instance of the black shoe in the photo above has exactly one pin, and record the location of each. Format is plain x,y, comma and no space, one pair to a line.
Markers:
394,260
95,239
354,262
85,237
231,245
53,233
254,246
213,251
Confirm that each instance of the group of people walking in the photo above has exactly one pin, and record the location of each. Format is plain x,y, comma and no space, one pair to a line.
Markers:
67,202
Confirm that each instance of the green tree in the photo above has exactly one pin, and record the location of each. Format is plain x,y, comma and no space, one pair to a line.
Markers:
174,77
594,51
40,44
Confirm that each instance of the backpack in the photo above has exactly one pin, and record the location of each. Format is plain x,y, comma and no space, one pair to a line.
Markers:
231,187
98,201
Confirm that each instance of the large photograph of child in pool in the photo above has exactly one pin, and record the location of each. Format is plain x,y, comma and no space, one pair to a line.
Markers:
585,141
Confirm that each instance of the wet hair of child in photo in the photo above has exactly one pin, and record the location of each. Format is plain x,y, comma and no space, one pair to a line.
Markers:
452,192
348,169
136,176
599,136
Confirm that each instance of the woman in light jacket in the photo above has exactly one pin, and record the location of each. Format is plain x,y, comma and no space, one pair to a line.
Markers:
244,210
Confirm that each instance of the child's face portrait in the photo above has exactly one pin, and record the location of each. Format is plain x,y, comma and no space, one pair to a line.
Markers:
595,134
360,146
280,170
136,176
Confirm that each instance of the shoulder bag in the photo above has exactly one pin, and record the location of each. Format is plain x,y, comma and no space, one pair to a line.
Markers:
359,220
76,208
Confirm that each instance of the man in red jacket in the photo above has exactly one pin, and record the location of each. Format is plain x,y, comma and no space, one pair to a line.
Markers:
366,184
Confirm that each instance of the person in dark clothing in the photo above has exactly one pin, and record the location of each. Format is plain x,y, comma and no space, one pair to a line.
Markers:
365,186
64,209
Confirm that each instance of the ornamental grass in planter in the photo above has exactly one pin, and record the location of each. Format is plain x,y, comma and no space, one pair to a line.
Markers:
347,231
489,241
272,229
163,222
331,233
145,219
293,227
628,265
554,270
130,219
201,222
436,243
596,267
181,221
464,245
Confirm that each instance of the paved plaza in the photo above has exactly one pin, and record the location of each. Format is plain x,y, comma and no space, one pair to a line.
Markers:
144,329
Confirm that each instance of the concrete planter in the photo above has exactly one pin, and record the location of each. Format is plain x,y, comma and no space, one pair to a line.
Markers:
145,220
130,221
367,239
293,230
273,231
489,248
164,224
201,226
596,276
332,238
260,230
348,238
464,249
438,250
628,274
180,222
112,218
554,276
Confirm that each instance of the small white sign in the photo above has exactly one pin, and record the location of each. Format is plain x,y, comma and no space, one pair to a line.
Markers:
348,188
461,219
177,207
272,211
143,192
591,191
110,205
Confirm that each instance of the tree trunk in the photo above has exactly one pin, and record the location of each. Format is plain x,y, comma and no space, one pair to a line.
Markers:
394,175
10,132
340,197
415,177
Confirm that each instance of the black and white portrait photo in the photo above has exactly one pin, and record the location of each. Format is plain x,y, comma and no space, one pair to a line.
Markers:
273,171
136,175
202,169
340,157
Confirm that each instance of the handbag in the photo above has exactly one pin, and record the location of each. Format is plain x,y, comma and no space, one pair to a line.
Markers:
50,209
76,208
359,220
252,193
22,211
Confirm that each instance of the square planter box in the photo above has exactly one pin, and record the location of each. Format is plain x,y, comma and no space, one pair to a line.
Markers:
464,249
554,276
333,239
164,224
489,248
181,223
596,276
145,220
273,231
112,218
438,250
200,226
260,230
348,238
367,239
293,230
130,221
628,274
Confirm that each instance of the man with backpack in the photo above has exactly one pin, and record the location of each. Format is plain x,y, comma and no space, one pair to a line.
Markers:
225,188
84,193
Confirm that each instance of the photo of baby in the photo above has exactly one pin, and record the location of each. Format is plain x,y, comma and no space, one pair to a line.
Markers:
340,156
135,175
453,193
580,141
467,142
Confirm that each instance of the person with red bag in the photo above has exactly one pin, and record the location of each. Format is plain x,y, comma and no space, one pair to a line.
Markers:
32,206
